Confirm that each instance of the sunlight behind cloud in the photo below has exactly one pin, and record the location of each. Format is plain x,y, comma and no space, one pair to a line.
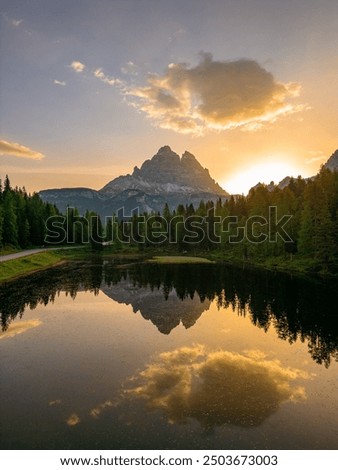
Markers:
216,95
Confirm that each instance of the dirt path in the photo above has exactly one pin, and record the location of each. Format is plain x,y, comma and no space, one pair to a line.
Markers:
21,254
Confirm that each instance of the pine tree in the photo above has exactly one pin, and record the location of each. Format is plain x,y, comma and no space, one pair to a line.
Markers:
96,232
10,227
316,236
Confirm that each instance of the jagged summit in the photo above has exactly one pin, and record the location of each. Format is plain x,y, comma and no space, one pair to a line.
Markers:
165,178
166,172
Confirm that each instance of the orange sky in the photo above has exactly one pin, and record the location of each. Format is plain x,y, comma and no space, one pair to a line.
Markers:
84,100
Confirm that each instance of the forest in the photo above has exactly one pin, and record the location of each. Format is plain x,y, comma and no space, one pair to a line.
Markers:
22,217
295,225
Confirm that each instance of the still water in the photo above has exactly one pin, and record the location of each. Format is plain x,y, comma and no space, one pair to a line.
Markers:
104,355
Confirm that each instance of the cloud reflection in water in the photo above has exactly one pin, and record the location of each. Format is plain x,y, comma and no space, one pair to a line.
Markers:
217,387
19,327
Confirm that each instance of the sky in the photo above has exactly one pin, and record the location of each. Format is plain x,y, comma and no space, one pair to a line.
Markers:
90,89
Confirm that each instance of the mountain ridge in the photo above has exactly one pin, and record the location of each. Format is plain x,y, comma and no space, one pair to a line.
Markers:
165,178
166,172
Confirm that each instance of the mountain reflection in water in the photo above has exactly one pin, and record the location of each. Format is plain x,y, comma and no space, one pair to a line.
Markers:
298,309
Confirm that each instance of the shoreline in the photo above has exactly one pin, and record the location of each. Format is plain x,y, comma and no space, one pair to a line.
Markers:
31,263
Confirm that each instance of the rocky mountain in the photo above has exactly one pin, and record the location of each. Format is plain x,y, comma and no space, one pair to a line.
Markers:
166,178
332,163
166,172
271,186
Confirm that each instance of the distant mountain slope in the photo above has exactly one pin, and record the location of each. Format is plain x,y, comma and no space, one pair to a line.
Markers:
166,178
332,163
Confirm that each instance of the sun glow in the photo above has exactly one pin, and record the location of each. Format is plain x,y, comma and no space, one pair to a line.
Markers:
264,172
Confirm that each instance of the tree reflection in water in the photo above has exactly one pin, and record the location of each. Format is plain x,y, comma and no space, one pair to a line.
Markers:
298,308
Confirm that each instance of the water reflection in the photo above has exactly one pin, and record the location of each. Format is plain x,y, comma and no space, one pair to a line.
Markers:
159,306
19,328
215,387
298,309
73,420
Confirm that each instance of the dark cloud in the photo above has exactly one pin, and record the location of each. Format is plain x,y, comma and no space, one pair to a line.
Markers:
214,95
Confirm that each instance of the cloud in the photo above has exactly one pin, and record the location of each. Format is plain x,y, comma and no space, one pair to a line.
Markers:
73,420
217,95
98,73
16,23
54,402
18,150
58,82
129,69
17,328
12,21
95,412
176,34
77,66
216,387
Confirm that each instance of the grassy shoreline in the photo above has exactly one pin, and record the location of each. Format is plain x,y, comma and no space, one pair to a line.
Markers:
19,267
16,268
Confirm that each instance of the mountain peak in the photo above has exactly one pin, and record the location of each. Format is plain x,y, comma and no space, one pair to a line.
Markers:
166,173
164,150
165,153
165,178
188,156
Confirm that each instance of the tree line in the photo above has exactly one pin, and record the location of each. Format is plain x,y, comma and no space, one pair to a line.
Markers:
298,223
22,217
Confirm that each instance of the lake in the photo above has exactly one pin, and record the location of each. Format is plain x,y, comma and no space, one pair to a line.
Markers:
108,355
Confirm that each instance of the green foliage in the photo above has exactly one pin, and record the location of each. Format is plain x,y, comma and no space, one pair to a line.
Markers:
310,209
234,229
19,267
96,235
22,217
